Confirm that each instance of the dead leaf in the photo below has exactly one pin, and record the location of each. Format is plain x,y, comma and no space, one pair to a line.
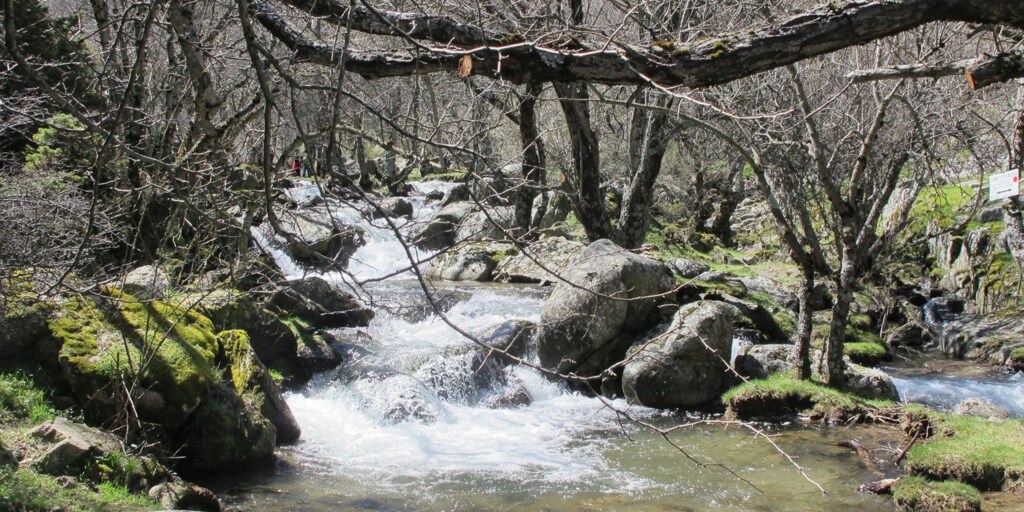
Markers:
465,66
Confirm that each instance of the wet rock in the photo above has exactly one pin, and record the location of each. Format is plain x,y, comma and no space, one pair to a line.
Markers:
982,408
322,304
393,397
316,235
147,283
468,262
760,361
390,207
463,374
315,353
226,432
516,337
489,224
582,330
253,382
71,445
554,253
682,365
184,496
434,195
911,335
513,396
438,232
687,269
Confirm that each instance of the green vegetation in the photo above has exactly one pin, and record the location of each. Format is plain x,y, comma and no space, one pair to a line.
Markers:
21,401
782,394
867,353
914,493
941,204
977,451
25,490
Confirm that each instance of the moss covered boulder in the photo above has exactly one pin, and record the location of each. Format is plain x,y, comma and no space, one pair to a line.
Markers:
226,432
253,383
230,309
916,494
23,329
115,347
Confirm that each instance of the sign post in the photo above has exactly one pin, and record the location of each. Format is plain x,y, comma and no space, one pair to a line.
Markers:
1003,185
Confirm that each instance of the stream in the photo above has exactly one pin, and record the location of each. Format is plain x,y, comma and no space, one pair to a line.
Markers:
412,424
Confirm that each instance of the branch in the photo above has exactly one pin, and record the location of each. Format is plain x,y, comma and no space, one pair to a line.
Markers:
564,58
981,72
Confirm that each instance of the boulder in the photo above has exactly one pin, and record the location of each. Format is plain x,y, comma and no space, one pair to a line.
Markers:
315,353
982,408
687,269
320,303
438,232
108,336
459,193
760,361
253,383
588,325
474,261
558,208
463,374
489,224
147,283
684,364
181,495
515,337
316,235
554,253
23,322
911,334
71,445
870,383
991,338
496,187
390,207
226,432
231,309
393,397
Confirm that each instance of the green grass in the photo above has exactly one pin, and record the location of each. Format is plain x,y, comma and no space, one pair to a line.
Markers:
781,394
25,490
914,493
940,203
866,353
977,451
21,401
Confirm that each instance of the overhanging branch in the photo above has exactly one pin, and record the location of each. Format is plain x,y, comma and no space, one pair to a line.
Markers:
980,72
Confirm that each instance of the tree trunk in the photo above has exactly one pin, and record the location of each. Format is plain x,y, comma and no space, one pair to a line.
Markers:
647,147
533,160
833,368
802,346
588,201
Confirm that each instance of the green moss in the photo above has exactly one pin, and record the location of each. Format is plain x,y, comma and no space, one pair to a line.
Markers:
1017,356
977,451
914,493
781,394
866,353
25,490
114,337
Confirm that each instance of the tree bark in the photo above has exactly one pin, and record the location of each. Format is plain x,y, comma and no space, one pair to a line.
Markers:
567,58
833,368
533,159
802,344
588,203
647,145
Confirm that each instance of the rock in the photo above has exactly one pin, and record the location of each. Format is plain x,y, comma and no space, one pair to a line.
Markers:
101,335
147,283
557,210
225,432
516,337
760,361
7,458
870,383
317,235
253,383
71,445
315,353
393,397
473,261
464,374
585,332
434,195
991,214
687,269
184,496
988,338
322,304
490,224
459,193
24,333
554,253
982,408
302,197
439,231
682,365
908,335
390,207
496,187
754,316
231,309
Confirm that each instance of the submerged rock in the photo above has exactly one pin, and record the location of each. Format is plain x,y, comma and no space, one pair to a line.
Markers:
587,325
180,495
684,364
393,397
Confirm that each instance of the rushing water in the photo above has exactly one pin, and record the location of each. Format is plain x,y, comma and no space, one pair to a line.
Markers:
418,420
943,383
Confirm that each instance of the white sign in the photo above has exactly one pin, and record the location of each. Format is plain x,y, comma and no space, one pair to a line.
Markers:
1003,185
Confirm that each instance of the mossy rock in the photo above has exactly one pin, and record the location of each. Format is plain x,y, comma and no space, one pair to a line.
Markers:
977,451
867,353
255,385
781,395
23,315
1016,360
917,494
233,309
225,432
110,339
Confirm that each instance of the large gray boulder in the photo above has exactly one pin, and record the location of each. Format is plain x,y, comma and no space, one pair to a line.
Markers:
474,261
760,361
554,253
316,235
489,224
588,325
321,303
684,364
438,232
147,282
